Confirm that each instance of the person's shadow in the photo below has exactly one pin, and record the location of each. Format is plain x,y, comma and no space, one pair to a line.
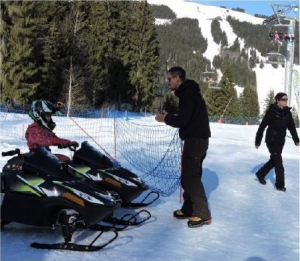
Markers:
270,176
210,181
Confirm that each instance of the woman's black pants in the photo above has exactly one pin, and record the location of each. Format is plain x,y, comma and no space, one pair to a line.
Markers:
275,161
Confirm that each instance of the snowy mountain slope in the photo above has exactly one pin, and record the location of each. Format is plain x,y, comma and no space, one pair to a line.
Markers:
205,14
194,10
268,78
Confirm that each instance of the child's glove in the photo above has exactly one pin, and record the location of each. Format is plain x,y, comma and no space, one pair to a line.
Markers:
63,143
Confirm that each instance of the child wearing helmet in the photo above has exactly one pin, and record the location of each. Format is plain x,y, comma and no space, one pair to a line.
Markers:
40,132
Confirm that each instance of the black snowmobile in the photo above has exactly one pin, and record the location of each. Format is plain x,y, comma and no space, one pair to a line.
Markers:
41,194
88,162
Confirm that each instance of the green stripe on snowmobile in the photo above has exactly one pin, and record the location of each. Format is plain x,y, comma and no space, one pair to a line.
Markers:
24,188
57,182
80,170
83,169
36,181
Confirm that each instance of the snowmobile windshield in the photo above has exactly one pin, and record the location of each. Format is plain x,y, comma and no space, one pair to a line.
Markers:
89,155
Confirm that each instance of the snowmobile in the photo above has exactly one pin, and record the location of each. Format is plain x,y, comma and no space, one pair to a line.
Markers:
90,163
43,164
39,193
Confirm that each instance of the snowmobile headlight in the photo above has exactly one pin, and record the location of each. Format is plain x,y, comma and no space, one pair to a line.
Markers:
107,197
138,179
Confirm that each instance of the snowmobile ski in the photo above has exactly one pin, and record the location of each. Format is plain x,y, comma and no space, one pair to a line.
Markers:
122,223
78,247
142,203
132,221
68,220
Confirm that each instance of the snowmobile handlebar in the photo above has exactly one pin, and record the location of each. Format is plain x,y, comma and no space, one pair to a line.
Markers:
72,147
11,152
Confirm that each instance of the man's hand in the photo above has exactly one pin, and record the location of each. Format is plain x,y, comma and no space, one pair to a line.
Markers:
161,117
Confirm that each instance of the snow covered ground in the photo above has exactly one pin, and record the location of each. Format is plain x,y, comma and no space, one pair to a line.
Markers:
249,221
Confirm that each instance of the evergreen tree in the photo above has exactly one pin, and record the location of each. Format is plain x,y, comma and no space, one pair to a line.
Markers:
223,101
261,65
144,55
19,72
218,35
216,31
123,53
53,49
230,105
214,101
120,80
270,99
162,12
182,44
242,73
64,52
102,41
249,103
171,103
224,41
252,59
74,74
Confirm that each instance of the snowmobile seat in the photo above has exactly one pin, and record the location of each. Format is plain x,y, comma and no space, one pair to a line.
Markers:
63,158
45,163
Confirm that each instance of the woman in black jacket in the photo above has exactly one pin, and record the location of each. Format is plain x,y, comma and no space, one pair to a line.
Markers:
278,118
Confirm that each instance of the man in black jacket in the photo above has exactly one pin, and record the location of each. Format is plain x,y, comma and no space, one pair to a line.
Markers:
278,118
194,130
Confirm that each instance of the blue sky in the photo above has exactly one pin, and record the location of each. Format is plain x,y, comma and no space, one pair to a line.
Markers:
250,7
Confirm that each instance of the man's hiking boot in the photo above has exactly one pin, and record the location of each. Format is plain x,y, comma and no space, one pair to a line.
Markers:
261,180
198,222
179,214
280,188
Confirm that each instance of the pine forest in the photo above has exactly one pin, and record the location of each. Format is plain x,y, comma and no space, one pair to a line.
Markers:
110,53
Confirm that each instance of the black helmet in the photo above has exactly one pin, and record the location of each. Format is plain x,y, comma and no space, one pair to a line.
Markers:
39,109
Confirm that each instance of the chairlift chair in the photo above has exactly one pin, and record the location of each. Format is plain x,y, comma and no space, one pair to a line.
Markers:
275,58
214,85
271,21
207,76
280,37
211,78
